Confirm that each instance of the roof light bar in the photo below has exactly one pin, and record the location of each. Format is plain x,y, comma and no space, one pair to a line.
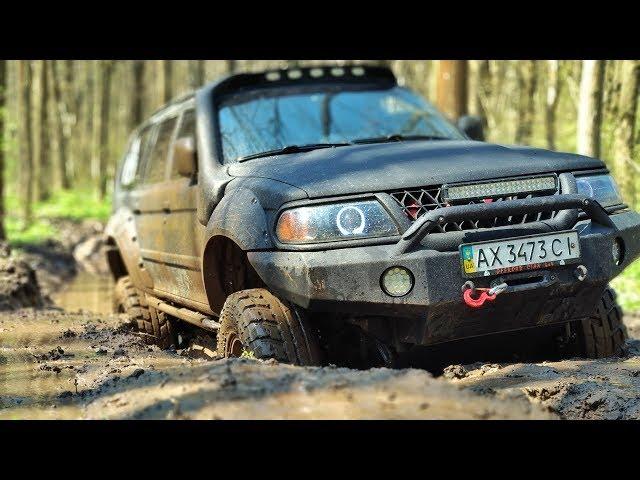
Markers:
319,72
496,189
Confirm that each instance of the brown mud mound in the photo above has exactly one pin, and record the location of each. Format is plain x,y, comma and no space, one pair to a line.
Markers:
251,389
79,247
574,389
19,286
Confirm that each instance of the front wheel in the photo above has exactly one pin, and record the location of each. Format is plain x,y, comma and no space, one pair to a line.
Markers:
258,324
601,334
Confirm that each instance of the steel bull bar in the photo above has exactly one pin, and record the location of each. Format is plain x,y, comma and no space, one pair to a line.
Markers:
567,204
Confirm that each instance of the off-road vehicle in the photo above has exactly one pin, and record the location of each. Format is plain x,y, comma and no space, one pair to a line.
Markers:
314,213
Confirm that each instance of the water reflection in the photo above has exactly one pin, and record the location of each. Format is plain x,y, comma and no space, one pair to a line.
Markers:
88,293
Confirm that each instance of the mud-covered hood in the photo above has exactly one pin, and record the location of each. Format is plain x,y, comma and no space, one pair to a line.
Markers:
389,166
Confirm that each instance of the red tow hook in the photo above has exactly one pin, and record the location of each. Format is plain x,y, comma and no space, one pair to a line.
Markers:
486,294
477,302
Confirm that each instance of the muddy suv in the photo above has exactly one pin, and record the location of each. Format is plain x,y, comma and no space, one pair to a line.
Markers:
312,214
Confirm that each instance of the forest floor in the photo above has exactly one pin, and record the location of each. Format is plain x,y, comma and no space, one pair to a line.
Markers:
86,363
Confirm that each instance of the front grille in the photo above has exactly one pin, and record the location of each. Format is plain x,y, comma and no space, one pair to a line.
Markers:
416,203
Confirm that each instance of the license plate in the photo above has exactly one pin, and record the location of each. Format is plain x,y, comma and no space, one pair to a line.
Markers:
519,254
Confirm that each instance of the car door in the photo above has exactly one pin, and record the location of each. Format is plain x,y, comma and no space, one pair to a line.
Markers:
183,235
149,203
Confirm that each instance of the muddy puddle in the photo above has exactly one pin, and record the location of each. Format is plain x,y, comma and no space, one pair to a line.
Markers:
86,293
45,355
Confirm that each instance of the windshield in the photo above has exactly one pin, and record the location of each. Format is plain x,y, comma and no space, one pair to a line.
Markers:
270,120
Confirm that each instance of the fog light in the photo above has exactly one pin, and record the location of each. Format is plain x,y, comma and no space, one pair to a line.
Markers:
617,251
397,281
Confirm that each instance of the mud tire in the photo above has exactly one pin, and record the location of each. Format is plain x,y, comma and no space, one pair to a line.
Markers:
261,324
602,334
156,327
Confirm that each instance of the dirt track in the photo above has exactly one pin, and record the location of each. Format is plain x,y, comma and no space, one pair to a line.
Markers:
56,364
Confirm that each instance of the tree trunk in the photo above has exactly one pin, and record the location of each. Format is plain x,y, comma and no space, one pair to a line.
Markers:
590,107
196,73
26,165
100,125
40,137
451,91
527,85
165,80
59,176
624,139
551,103
70,114
138,96
3,89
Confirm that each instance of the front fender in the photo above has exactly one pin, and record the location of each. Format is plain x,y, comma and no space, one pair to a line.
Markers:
241,217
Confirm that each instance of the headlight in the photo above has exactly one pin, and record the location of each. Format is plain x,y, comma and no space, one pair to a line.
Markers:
338,221
601,188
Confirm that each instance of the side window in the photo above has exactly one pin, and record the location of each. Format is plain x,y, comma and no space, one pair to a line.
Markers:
187,129
157,161
134,159
130,165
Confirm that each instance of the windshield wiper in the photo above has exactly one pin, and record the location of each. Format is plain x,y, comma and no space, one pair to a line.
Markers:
396,137
291,149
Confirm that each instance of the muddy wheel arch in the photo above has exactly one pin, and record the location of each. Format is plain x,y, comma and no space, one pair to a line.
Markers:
123,252
226,270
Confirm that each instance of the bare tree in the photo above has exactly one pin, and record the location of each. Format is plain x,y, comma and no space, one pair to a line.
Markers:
3,103
40,134
26,160
196,73
165,80
102,73
451,91
551,101
138,95
527,73
59,176
624,139
590,107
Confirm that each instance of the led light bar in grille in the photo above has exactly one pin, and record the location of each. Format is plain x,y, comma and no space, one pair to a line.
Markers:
499,189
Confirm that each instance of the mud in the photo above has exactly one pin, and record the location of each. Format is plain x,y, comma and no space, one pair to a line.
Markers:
71,359
606,389
57,364
62,365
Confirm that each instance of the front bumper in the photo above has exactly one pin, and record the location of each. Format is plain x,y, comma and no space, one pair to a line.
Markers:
348,281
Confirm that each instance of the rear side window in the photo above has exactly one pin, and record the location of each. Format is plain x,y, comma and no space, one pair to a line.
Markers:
187,129
157,161
188,125
130,165
134,160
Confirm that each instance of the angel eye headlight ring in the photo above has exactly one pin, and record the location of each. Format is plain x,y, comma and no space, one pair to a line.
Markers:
342,218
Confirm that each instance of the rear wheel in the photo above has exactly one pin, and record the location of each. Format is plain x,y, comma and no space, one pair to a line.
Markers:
601,334
155,326
258,324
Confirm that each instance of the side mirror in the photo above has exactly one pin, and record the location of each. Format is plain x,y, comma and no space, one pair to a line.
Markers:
184,156
472,126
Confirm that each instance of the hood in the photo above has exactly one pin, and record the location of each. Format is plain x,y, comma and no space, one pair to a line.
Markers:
390,166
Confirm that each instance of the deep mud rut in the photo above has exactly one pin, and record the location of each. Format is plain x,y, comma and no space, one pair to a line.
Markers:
83,362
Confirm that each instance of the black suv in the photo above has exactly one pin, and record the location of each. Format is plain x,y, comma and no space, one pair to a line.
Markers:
310,213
